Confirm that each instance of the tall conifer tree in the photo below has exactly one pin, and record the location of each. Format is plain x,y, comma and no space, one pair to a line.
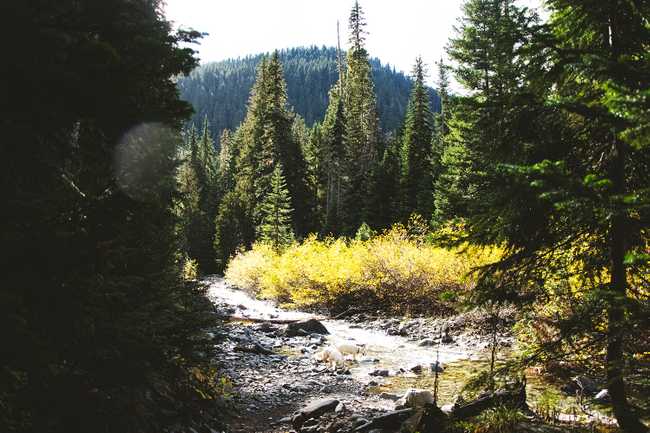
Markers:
275,226
200,170
418,130
334,161
266,138
569,201
362,135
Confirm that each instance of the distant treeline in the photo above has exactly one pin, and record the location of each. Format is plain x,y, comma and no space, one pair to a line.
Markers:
220,90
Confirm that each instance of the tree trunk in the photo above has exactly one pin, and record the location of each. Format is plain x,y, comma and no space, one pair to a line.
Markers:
627,419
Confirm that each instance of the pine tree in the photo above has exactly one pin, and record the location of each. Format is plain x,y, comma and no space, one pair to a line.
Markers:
232,228
486,127
600,182
440,140
418,130
275,225
333,157
99,327
568,201
362,135
199,181
388,208
268,136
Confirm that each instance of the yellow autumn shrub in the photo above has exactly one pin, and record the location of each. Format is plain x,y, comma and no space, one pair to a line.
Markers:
391,271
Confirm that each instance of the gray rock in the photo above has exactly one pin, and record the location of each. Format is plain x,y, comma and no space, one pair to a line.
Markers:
313,410
358,420
426,342
389,396
266,327
603,396
417,369
339,408
389,421
585,384
255,348
379,372
305,327
447,408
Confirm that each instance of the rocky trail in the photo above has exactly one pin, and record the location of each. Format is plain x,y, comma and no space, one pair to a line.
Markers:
278,385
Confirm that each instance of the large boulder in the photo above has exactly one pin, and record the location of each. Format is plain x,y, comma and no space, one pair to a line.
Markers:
581,384
312,411
414,398
305,327
390,421
586,384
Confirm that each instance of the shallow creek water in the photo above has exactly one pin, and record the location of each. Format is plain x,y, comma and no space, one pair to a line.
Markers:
393,352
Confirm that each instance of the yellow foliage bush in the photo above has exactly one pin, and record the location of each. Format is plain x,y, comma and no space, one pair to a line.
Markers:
190,269
393,271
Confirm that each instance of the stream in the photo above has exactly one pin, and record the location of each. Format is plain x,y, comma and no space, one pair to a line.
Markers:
392,351
269,388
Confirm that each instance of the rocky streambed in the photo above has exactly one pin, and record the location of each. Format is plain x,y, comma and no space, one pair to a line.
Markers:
278,386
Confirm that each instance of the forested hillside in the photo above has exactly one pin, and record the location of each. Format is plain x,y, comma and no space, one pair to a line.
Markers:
220,90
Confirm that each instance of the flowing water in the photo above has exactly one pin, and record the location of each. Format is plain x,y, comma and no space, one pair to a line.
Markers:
392,352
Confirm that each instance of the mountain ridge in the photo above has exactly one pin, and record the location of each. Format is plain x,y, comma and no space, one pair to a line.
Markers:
220,90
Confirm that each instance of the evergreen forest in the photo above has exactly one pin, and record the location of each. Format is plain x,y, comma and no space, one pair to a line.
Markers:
309,240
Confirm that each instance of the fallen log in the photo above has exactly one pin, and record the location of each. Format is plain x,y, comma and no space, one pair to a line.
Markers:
515,398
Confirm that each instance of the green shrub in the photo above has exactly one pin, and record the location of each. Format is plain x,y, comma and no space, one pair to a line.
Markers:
500,419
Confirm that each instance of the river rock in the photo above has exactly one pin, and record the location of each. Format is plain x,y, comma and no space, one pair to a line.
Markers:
586,384
379,372
417,368
305,327
389,396
255,348
414,398
426,342
390,421
266,327
447,408
603,396
313,410
582,384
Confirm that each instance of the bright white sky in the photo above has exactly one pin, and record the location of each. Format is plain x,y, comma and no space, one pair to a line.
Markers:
399,30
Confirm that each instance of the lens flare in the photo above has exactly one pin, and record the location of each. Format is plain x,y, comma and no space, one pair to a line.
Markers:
143,159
